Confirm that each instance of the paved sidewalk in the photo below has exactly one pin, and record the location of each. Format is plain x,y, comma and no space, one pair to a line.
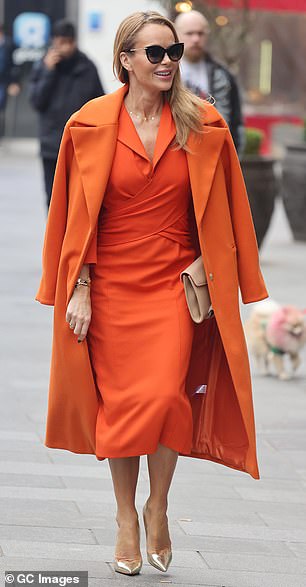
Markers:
57,508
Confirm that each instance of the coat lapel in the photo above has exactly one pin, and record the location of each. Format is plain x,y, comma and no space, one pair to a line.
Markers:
94,140
94,149
202,162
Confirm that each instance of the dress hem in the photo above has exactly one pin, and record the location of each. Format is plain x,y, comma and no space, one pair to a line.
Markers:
147,451
206,457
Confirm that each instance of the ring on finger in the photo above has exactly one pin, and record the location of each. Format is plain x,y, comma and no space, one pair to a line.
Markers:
71,324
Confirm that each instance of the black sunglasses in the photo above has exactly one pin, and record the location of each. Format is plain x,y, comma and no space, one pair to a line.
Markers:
156,53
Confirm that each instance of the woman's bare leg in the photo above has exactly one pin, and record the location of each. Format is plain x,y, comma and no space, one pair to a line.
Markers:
161,467
124,473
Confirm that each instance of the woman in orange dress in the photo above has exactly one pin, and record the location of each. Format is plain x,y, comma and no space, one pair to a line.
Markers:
140,334
128,304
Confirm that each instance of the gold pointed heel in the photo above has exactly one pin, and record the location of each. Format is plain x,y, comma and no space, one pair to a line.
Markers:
160,559
127,566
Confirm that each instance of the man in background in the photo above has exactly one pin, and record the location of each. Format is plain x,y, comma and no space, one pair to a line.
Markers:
60,84
204,76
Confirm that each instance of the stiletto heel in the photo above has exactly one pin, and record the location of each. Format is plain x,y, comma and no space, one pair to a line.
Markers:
128,566
160,559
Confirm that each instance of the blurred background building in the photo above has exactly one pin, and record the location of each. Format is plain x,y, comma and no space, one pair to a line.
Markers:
262,41
29,24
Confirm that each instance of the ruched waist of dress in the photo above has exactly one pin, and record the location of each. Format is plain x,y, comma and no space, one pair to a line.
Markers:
142,219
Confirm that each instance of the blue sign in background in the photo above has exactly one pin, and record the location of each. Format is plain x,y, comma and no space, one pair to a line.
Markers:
95,21
31,30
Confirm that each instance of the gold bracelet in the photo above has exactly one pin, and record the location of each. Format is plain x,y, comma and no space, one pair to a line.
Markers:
85,282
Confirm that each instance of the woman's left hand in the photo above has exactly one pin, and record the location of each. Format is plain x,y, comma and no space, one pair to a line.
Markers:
79,312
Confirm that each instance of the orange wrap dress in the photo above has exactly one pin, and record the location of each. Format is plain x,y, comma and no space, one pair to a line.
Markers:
140,335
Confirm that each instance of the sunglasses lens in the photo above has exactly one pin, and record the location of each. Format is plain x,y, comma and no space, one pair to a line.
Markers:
155,53
176,51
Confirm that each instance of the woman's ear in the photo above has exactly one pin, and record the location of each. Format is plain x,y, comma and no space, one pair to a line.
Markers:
125,61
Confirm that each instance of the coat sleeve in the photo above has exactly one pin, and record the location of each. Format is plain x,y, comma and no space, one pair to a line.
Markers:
56,222
91,255
251,281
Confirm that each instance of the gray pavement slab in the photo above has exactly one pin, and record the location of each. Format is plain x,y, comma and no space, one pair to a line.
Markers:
50,469
57,508
15,479
47,534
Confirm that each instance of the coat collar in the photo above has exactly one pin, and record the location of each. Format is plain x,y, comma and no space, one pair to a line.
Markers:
101,111
94,131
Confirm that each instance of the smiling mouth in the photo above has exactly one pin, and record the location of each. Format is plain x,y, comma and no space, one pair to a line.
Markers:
165,74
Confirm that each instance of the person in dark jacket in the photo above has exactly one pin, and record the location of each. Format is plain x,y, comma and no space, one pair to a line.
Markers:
60,84
204,76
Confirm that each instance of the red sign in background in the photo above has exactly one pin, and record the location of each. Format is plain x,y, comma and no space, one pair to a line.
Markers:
267,5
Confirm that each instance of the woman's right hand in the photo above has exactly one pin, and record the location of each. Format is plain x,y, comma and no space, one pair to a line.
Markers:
78,313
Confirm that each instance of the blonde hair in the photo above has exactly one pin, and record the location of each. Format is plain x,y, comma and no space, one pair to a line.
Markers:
187,109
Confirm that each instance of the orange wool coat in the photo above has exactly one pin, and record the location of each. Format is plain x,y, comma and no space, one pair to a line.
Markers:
223,418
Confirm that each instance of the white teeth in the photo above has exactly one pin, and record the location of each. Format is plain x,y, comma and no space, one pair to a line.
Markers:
166,74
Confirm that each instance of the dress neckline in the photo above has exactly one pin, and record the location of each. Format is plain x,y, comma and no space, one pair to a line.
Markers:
129,136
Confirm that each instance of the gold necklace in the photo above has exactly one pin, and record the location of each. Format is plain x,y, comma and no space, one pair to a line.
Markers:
142,118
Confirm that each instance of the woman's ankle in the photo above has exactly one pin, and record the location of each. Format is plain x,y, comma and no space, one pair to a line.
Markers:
156,506
127,517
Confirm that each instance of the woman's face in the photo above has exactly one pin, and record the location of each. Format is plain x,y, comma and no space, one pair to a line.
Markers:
156,77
